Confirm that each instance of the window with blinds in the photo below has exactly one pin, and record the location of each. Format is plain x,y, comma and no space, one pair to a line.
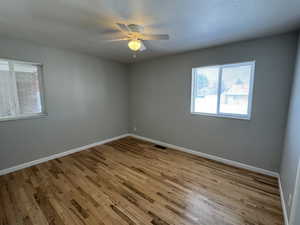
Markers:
20,90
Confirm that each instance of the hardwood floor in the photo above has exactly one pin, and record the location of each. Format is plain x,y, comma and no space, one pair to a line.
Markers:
130,181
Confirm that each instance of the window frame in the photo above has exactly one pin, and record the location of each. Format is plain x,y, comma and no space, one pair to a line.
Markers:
218,113
14,96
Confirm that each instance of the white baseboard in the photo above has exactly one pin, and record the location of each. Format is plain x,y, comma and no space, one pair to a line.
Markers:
58,155
285,215
212,157
208,156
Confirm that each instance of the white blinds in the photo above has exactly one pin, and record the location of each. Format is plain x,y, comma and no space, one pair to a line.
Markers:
5,107
20,92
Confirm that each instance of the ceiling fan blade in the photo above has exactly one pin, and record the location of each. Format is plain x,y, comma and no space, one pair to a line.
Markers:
155,37
143,46
117,39
123,27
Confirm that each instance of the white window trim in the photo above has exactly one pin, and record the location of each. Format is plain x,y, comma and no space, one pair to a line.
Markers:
43,112
218,113
28,116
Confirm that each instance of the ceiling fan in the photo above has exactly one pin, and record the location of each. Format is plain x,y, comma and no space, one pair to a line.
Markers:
135,36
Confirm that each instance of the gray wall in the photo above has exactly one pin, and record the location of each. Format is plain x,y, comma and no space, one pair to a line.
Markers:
86,100
291,153
160,101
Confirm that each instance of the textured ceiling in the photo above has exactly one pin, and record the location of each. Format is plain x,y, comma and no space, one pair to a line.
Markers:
82,25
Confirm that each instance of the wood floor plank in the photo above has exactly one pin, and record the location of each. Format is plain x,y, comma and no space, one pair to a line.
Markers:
130,181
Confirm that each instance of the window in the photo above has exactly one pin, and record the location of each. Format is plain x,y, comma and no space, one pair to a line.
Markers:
20,90
224,90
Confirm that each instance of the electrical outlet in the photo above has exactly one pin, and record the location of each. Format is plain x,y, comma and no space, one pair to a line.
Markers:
290,200
134,128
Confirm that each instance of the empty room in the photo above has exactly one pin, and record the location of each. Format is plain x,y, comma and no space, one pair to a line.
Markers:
138,112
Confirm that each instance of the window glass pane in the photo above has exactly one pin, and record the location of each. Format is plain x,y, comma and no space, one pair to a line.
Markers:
5,101
206,89
28,88
235,89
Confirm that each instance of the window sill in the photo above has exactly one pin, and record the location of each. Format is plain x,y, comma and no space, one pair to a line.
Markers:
222,116
35,116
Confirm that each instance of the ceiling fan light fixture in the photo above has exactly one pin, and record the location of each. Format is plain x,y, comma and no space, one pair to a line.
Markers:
135,44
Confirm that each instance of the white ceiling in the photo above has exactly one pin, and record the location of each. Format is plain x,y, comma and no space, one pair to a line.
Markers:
82,25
